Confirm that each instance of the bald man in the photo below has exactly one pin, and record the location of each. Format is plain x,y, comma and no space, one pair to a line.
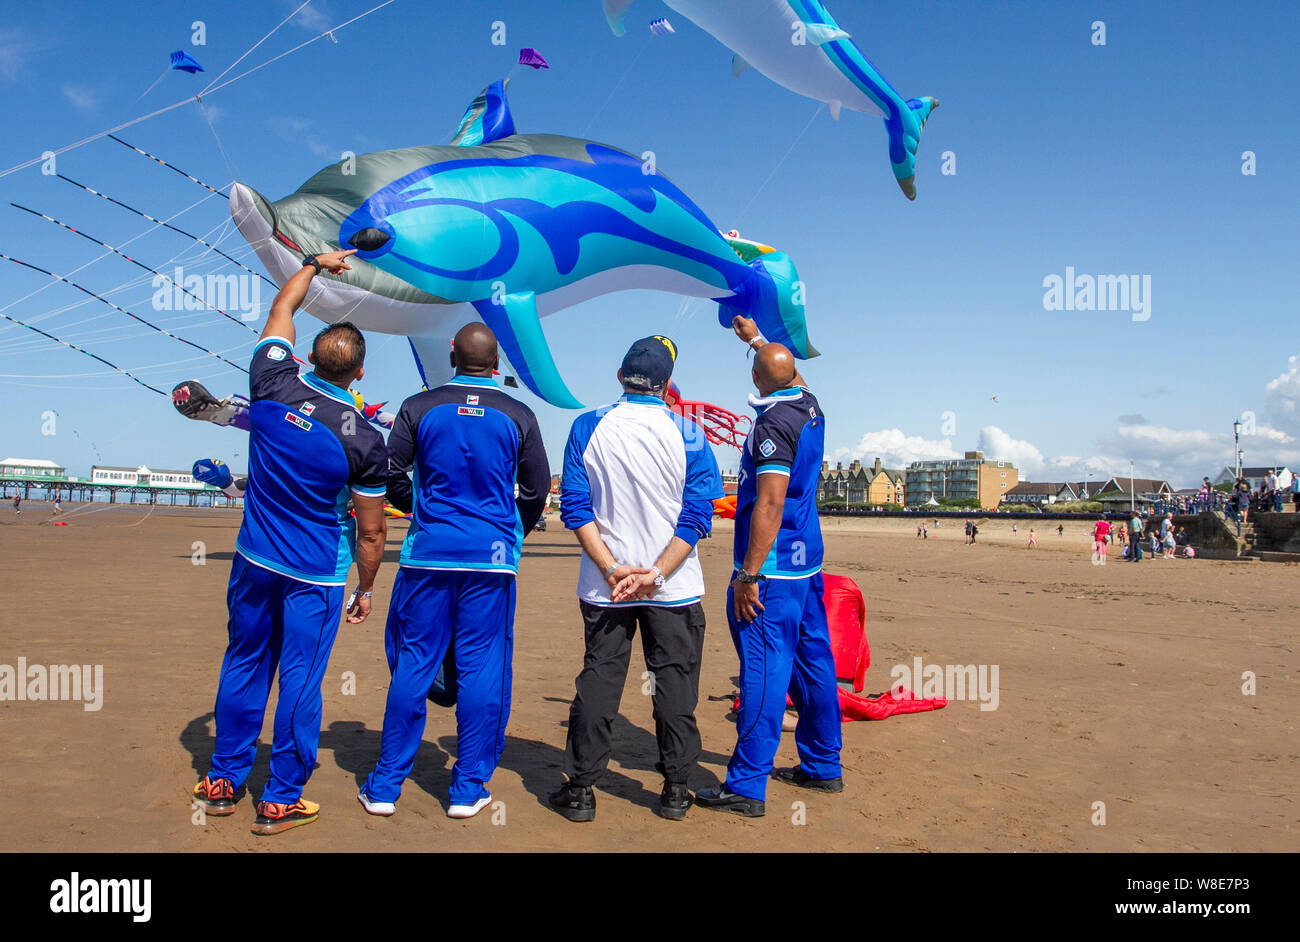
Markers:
774,605
469,447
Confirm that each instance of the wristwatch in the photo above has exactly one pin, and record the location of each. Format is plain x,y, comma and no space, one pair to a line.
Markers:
311,260
659,577
610,571
744,577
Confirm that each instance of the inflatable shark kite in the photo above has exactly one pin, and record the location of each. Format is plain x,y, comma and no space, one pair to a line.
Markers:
507,228
797,44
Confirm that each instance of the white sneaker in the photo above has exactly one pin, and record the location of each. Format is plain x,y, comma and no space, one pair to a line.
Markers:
468,811
381,808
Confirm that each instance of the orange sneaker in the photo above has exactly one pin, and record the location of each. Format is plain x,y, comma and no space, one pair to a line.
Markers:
217,796
272,818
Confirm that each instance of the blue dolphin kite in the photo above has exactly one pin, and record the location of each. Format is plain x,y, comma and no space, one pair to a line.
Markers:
798,44
509,227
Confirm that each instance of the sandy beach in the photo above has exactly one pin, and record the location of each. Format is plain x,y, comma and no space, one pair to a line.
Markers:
1117,684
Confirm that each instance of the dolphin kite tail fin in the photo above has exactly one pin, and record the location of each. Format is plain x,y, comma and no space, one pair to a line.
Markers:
615,14
904,138
774,298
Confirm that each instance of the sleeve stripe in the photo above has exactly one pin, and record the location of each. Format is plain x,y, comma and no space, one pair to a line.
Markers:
370,492
263,342
774,469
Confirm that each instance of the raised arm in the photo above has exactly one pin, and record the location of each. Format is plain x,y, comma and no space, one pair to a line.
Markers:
279,323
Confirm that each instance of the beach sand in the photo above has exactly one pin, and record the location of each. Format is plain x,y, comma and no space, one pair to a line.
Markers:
1120,684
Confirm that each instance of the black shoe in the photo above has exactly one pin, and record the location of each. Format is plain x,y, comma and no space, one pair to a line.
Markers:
674,801
575,802
797,776
723,800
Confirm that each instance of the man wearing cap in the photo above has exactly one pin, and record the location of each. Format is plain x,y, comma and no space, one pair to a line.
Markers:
480,480
775,606
638,488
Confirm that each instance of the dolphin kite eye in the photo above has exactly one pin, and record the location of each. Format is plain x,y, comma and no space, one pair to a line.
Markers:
369,239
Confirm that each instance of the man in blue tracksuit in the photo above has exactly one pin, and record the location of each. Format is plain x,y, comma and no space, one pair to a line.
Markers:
310,451
468,446
774,605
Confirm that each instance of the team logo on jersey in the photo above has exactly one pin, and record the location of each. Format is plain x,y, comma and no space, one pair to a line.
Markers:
306,408
812,412
767,448
298,421
466,410
274,353
471,400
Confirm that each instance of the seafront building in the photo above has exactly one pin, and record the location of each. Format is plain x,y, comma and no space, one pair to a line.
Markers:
986,480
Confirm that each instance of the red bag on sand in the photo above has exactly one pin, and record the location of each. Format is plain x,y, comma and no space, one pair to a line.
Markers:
846,616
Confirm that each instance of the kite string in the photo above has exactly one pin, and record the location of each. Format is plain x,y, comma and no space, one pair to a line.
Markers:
788,151
251,48
184,101
105,255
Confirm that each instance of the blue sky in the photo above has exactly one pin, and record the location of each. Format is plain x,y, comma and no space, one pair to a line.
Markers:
1122,159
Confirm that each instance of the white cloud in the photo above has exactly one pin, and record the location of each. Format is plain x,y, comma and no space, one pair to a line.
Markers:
81,97
1284,396
311,18
895,449
15,49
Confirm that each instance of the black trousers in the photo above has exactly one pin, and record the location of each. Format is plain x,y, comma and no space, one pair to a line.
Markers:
672,640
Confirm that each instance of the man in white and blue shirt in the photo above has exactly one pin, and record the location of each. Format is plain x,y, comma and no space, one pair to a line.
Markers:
638,488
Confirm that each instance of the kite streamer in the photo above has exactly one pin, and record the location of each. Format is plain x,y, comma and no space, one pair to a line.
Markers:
167,225
135,262
93,356
159,160
99,297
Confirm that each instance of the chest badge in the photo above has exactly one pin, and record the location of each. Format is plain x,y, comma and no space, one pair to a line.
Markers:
307,408
298,421
471,400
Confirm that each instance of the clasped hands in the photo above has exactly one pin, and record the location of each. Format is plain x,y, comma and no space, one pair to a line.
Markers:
631,583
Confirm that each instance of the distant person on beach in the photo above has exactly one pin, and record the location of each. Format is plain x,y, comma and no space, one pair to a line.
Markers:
969,539
309,450
974,532
1033,540
1135,539
925,532
775,604
1100,537
58,506
1014,529
638,487
18,504
918,533
1060,529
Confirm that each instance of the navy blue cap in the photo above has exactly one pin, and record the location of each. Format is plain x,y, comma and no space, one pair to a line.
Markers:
648,364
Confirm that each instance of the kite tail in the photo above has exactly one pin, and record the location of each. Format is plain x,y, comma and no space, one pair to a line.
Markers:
773,297
904,138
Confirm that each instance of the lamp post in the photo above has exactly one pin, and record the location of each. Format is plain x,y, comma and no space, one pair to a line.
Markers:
1132,505
1236,440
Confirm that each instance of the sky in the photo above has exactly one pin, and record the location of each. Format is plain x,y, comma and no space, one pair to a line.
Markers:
1051,152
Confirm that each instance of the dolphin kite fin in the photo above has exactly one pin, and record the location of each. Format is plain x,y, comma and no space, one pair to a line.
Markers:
432,359
518,327
904,137
615,14
820,33
487,119
774,299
